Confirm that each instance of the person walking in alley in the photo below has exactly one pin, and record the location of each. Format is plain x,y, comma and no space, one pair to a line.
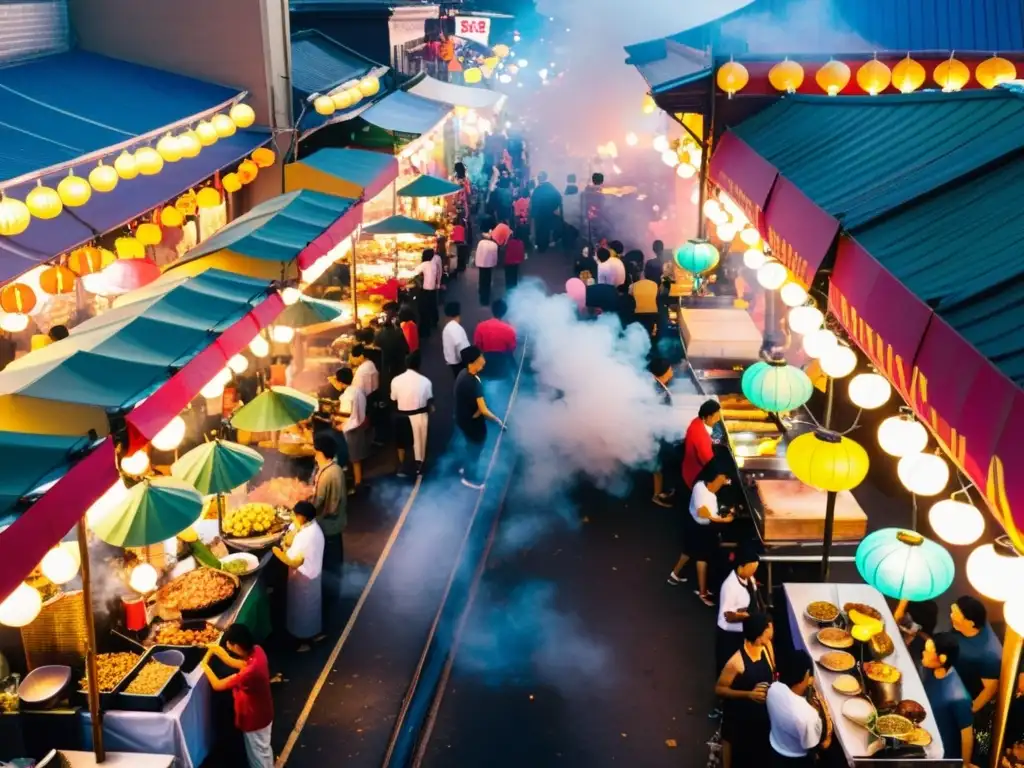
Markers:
413,394
544,206
486,260
471,416
496,339
453,337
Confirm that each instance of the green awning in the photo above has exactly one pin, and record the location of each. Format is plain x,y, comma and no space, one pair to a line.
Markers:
28,461
429,186
400,225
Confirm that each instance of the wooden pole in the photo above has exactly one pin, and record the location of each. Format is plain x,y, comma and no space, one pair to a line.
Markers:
354,282
830,498
1012,643
95,715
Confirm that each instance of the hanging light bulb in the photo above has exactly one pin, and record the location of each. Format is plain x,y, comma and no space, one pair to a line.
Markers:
259,347
869,391
750,237
754,258
711,208
923,474
902,436
793,294
838,361
670,158
60,564
771,275
685,171
214,389
238,364
818,343
956,523
996,570
143,579
805,320
135,464
660,143
290,296
20,608
170,437
282,334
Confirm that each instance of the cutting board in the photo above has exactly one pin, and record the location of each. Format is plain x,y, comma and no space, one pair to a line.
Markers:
720,334
794,511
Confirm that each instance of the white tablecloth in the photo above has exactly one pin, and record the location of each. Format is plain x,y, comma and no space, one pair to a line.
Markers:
80,759
852,737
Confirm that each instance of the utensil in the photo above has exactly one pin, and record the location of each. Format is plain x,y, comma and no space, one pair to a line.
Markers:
43,686
171,658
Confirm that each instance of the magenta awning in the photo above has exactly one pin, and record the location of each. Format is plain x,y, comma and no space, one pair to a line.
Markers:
744,175
799,232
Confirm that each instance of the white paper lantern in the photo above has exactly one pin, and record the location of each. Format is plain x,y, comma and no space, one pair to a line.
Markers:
282,334
136,464
238,364
259,346
13,322
214,389
21,607
726,232
60,564
685,171
771,275
956,523
670,158
869,391
819,343
143,578
923,474
170,437
660,143
1013,613
754,258
750,237
805,320
902,436
711,208
996,573
290,296
839,361
793,294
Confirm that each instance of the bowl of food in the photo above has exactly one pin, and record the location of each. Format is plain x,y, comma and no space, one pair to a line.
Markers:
239,564
848,685
863,610
833,637
911,710
837,661
883,684
918,737
892,726
859,710
822,612
184,633
200,593
43,686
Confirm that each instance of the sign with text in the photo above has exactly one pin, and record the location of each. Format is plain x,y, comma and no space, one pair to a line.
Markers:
743,175
473,28
799,233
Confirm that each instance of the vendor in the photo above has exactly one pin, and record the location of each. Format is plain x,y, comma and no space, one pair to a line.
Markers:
330,499
699,450
325,418
739,599
305,561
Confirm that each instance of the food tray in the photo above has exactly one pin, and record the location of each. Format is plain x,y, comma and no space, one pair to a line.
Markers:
193,653
213,609
108,699
137,702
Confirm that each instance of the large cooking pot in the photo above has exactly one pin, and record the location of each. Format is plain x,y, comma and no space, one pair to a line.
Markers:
43,686
883,695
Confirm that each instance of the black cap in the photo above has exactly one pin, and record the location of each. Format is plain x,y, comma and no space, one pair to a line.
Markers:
470,354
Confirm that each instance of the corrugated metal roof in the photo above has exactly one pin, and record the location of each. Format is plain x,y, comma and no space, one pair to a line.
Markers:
678,64
860,157
320,63
406,113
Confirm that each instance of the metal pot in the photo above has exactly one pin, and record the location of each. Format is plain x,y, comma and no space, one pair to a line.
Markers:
883,695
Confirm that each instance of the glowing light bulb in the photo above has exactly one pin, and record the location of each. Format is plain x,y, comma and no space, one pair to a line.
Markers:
818,343
902,436
869,391
238,364
13,322
143,579
660,143
805,320
21,607
956,523
290,296
839,361
282,334
670,158
214,389
685,171
771,275
135,464
170,437
793,294
750,237
259,346
60,564
754,258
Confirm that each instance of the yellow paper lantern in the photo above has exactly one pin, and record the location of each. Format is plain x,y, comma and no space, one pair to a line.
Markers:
206,133
833,77
171,217
169,149
208,197
56,280
369,86
908,75
732,77
148,161
44,202
189,144
491,62
129,248
126,166
828,461
149,234
473,75
74,191
341,100
242,115
247,171
224,126
354,95
501,50
264,157
786,76
995,71
103,178
324,105
231,182
951,75
874,77
14,216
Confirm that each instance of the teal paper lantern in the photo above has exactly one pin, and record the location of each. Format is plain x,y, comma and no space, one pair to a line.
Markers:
697,257
904,565
775,386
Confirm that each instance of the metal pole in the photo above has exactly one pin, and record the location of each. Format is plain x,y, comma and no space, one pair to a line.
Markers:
709,132
830,498
353,282
1012,643
95,715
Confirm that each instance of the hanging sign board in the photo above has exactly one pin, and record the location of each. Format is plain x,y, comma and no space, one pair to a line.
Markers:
474,28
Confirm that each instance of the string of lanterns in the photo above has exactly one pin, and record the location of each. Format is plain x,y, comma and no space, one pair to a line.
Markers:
73,191
346,96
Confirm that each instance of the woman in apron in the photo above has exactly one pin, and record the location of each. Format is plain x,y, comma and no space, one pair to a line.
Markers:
743,684
739,599
304,558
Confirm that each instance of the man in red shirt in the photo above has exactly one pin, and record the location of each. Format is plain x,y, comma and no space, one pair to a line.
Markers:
497,340
250,688
699,450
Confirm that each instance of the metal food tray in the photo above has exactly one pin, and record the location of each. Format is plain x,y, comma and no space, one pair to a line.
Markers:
138,702
213,609
108,699
193,653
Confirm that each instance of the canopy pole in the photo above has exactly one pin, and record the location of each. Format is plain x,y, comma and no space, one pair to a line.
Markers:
95,715
1012,643
353,282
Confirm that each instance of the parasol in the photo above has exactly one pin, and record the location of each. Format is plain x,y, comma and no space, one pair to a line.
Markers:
274,409
904,565
400,225
217,467
309,311
429,186
152,511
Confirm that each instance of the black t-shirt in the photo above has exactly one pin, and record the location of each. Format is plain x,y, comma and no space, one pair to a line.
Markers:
603,297
467,390
586,264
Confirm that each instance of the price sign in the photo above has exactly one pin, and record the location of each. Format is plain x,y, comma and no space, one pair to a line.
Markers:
473,28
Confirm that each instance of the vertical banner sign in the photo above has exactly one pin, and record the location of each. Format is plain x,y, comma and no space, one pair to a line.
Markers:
473,28
744,175
799,232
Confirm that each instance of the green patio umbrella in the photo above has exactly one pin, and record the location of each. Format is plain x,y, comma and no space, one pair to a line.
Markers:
309,311
274,409
400,225
154,510
429,186
217,467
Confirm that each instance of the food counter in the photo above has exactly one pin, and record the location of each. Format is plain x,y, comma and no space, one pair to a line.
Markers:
859,747
721,336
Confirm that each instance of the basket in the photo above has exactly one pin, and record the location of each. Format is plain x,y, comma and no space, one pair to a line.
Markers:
58,635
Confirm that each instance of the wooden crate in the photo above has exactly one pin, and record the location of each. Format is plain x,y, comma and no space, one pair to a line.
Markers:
796,512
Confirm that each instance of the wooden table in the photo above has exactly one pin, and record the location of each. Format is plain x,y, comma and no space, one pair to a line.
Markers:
794,511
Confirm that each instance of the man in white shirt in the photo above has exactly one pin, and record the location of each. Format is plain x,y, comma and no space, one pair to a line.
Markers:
702,538
796,725
430,271
453,337
413,394
610,269
367,377
358,431
736,602
486,260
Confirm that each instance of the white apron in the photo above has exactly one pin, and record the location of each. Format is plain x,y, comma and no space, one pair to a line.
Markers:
418,424
304,597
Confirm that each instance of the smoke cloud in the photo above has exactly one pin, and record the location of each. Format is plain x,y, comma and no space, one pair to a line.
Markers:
808,27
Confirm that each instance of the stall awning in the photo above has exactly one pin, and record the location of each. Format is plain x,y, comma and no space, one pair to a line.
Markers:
676,66
355,173
744,175
399,225
28,461
429,186
277,238
320,63
403,112
457,95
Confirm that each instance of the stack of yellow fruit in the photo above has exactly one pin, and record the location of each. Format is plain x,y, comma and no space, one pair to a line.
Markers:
250,520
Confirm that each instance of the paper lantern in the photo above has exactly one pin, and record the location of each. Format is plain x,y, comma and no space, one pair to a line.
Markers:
60,565
13,322
732,77
354,96
169,149
750,237
501,50
819,343
149,234
282,334
775,386
805,320
74,191
685,171
44,202
786,76
923,474
247,171
136,464
170,437
89,260
20,608
726,232
828,461
231,182
772,275
224,126
996,570
670,158
129,248
908,75
904,565
955,522
341,100
1013,613
206,133
873,77
171,217
189,144
839,361
697,257
17,297
370,86
56,280
902,436
126,166
103,178
754,258
259,347
143,578
14,216
148,161
869,391
833,77
213,389
647,107
208,197
242,115
263,157
324,105
793,294
995,71
472,75
951,75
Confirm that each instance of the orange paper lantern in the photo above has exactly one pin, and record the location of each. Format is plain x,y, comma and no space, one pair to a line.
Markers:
17,298
263,157
732,77
247,171
56,280
786,76
89,260
908,75
874,77
833,77
995,71
952,75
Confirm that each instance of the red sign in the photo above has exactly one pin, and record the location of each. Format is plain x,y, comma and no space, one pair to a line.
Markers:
743,175
799,233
